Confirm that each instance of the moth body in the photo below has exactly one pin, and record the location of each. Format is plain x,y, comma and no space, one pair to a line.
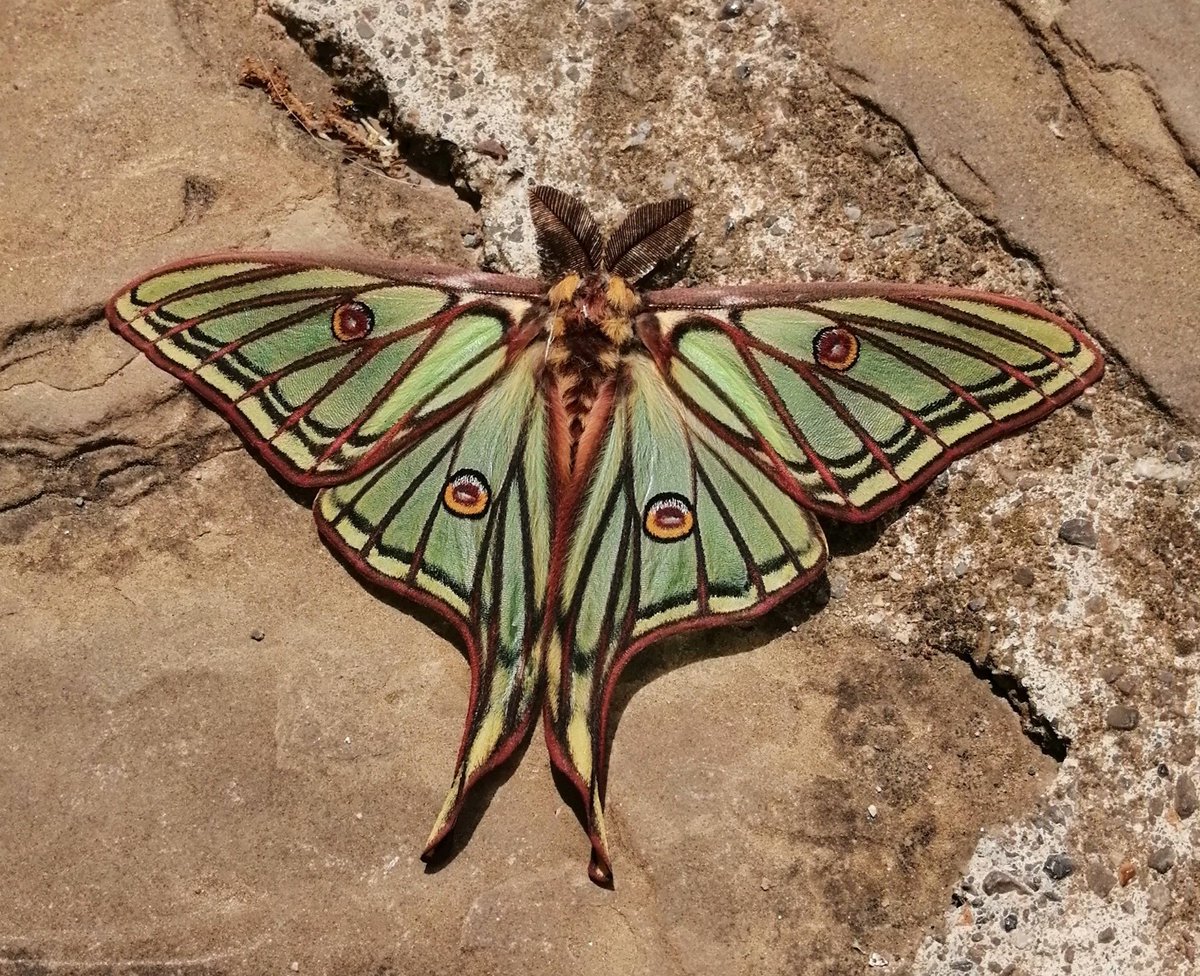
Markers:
588,330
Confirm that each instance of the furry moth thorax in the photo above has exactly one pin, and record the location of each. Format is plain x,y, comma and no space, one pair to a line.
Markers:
591,320
593,299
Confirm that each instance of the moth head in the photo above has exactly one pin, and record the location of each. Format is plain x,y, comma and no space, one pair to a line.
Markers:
570,240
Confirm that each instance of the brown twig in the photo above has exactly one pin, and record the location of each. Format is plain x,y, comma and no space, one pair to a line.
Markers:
332,125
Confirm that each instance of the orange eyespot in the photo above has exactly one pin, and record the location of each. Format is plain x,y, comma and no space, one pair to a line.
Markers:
351,321
836,348
467,494
668,518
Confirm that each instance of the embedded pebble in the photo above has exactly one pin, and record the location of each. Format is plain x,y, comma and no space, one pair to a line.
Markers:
622,19
1078,532
1185,796
732,8
1100,879
838,586
639,135
826,269
998,882
876,150
1163,859
1156,469
976,603
1159,898
1106,934
1023,576
853,213
257,635
1185,452
881,228
1124,718
493,148
742,71
1059,866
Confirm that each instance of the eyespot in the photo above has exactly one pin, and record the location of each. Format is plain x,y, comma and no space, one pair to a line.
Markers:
351,321
668,518
836,348
467,494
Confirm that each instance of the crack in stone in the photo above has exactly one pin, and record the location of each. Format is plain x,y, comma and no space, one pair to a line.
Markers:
67,390
1010,246
1061,70
1035,726
61,479
436,158
1078,48
78,320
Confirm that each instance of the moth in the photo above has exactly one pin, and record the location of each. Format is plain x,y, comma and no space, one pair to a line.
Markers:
571,469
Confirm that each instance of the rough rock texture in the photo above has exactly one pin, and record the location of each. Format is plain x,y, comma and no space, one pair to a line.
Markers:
221,754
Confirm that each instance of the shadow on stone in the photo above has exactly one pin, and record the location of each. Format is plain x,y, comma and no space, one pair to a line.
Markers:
477,801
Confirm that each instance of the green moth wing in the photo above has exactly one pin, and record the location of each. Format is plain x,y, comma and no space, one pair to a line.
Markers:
325,368
670,529
854,396
408,394
460,520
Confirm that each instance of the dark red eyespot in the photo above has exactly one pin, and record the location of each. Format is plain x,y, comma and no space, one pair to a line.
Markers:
668,517
352,321
467,494
835,348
